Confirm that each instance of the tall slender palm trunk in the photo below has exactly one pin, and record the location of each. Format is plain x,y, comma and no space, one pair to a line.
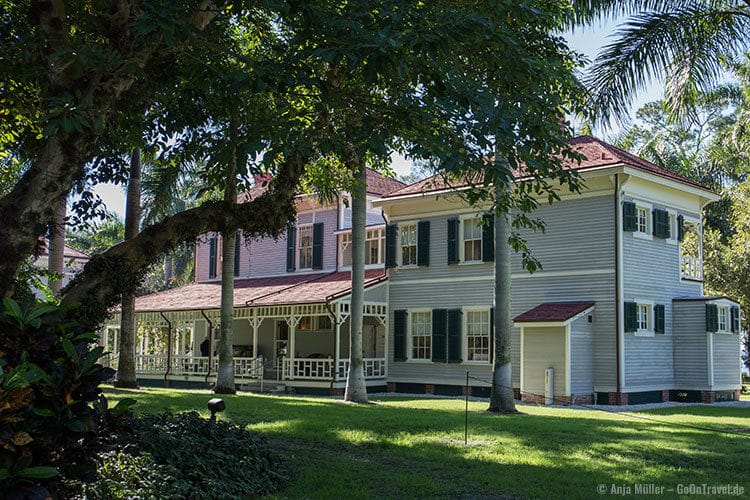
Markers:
225,375
126,362
57,246
356,390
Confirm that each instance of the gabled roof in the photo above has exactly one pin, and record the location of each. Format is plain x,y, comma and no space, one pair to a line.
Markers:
294,289
553,312
377,184
597,154
68,252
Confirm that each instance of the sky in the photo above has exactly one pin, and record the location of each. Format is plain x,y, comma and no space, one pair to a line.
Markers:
585,41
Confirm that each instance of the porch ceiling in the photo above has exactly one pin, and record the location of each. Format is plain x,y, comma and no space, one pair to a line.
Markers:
294,289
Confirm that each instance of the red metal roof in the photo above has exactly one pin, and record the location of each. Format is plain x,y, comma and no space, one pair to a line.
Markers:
68,252
293,289
597,154
377,184
553,311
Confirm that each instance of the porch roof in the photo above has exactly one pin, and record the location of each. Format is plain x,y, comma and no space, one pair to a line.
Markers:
294,289
553,311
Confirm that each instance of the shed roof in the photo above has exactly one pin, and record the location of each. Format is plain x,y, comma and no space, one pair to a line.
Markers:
294,289
553,311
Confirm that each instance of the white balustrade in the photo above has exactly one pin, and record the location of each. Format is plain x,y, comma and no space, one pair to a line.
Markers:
691,267
151,364
373,367
308,368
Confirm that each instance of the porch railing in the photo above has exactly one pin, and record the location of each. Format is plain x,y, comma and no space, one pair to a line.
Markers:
691,267
156,364
373,367
308,368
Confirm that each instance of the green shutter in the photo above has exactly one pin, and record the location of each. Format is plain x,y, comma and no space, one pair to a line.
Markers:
492,334
423,243
661,223
488,238
391,239
629,217
735,316
439,335
454,336
237,253
212,257
712,318
291,247
317,247
630,310
452,241
659,318
399,335
680,228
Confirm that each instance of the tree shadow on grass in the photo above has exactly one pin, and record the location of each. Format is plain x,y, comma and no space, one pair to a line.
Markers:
393,450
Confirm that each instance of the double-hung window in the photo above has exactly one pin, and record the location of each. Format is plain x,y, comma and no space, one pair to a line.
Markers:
305,247
408,244
643,317
723,319
477,335
642,218
421,335
374,248
472,239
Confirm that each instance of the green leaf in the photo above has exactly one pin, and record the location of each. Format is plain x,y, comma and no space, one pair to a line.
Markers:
40,310
76,426
38,472
70,349
13,309
42,412
122,406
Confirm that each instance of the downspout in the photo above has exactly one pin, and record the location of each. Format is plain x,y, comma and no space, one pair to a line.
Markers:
169,349
338,224
619,290
210,344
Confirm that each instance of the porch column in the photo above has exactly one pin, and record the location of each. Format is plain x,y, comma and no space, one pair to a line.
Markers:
291,353
337,356
255,323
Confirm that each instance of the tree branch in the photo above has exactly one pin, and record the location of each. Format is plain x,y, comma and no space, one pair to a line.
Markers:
99,286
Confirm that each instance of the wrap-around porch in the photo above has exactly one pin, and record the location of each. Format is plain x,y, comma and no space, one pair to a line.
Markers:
298,345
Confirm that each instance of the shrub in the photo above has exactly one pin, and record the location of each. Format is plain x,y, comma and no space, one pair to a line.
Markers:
51,408
184,456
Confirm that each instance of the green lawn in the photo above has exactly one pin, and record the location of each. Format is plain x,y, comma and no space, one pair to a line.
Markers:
403,447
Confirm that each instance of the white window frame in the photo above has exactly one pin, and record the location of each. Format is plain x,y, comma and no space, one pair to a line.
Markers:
650,318
465,335
410,343
343,236
299,248
400,246
648,209
461,251
672,240
727,319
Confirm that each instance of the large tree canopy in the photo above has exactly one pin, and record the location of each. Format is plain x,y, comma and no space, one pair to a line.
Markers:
309,83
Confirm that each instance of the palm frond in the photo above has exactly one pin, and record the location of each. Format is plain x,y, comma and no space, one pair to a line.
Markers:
684,45
588,12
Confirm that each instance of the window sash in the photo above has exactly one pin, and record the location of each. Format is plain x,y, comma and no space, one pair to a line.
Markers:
478,335
472,239
408,243
305,247
723,319
421,335
642,220
642,320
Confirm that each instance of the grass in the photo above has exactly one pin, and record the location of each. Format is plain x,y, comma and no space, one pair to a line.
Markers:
406,447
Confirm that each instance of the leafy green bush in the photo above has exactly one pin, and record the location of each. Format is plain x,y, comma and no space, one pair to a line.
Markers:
184,456
52,412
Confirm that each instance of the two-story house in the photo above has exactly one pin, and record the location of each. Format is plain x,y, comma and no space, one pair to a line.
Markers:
291,301
617,312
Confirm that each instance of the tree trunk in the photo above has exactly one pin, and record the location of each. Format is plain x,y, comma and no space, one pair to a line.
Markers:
56,248
501,396
167,269
126,362
225,375
356,390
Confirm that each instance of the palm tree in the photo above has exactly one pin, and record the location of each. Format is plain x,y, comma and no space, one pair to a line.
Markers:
57,246
685,42
126,363
356,389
